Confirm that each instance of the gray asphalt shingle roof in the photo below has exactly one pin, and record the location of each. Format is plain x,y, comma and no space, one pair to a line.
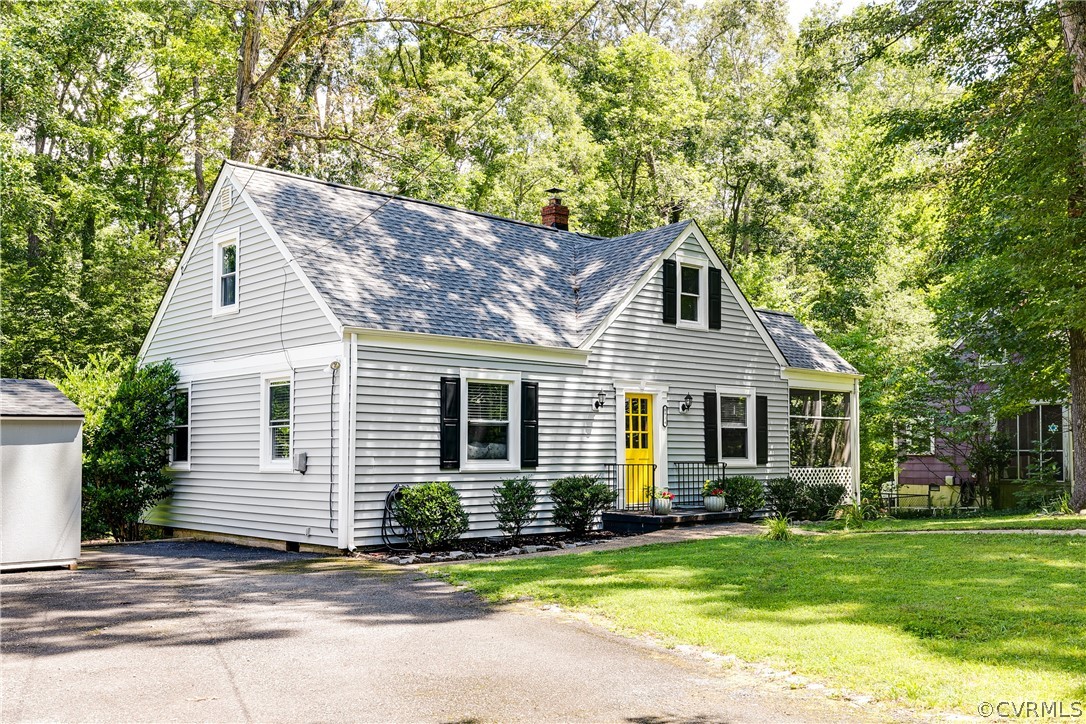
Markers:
800,346
416,266
34,398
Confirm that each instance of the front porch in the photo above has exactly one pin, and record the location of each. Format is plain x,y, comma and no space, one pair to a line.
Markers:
634,486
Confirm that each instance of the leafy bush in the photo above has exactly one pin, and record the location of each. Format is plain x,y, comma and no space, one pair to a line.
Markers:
785,496
431,514
821,500
126,440
744,492
578,500
776,528
514,506
1042,487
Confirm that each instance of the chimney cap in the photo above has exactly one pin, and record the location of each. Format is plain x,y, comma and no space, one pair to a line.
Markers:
554,191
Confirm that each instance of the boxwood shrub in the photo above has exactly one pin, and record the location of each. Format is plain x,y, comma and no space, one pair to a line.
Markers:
431,514
578,500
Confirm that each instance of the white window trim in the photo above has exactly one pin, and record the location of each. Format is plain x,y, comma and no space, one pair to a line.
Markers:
659,432
187,464
512,464
267,465
751,394
702,265
229,238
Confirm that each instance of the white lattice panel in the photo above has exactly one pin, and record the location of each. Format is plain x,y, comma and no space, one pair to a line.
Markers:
823,476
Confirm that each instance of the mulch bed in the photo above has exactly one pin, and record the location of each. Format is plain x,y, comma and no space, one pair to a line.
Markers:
495,547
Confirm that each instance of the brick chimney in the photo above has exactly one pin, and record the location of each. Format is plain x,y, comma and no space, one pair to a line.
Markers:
554,214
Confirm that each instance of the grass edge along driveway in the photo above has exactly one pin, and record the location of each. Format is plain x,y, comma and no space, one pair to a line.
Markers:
945,622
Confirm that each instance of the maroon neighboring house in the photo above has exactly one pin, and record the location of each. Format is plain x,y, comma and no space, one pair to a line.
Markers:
938,461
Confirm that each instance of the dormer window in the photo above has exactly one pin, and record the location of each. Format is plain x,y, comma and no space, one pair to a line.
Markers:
689,293
226,274
692,299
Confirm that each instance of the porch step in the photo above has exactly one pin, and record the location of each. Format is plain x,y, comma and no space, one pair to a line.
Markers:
631,522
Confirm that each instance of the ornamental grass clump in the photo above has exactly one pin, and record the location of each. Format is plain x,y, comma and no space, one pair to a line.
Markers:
776,528
431,514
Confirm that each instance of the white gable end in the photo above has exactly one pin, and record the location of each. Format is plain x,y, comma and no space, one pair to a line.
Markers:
275,307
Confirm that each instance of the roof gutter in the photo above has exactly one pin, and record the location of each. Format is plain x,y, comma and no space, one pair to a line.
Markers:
468,347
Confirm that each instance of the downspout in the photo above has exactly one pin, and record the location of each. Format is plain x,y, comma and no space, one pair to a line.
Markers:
346,446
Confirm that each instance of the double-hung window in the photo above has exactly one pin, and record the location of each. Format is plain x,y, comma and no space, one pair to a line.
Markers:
179,449
736,423
275,428
490,415
692,298
225,287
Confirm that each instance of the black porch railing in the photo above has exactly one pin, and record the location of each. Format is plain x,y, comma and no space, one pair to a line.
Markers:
688,481
632,483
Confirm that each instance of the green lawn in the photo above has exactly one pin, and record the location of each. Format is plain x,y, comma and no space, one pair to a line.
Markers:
986,522
936,621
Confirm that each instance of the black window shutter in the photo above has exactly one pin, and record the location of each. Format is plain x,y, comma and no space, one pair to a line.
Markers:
712,434
714,297
762,429
529,424
450,423
671,291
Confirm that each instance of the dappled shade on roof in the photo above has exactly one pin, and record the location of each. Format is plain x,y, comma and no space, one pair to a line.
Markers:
800,346
402,265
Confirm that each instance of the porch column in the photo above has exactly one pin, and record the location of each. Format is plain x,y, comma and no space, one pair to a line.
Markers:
854,425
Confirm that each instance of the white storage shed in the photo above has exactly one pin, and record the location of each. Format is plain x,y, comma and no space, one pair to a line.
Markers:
41,462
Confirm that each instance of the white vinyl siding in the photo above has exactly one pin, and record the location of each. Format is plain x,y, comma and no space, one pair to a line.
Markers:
225,491
274,309
398,411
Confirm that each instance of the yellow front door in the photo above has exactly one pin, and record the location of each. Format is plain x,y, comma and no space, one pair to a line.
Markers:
639,480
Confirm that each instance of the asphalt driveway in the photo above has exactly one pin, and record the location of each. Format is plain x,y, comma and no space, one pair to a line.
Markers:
182,631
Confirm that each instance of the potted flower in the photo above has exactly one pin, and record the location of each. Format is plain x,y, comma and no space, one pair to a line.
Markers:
713,495
661,502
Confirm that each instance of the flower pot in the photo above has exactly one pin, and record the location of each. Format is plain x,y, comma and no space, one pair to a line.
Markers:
714,503
661,506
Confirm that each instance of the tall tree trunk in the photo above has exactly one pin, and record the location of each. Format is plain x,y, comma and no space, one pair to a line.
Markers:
1078,418
248,57
198,143
1073,22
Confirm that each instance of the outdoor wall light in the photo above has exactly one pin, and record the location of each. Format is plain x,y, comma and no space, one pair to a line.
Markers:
687,403
600,400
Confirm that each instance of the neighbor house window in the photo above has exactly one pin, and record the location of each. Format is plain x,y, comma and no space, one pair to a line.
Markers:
1038,430
490,410
275,434
917,437
736,417
226,274
820,432
179,452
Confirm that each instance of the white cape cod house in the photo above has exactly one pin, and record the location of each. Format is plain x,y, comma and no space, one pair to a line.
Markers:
334,342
